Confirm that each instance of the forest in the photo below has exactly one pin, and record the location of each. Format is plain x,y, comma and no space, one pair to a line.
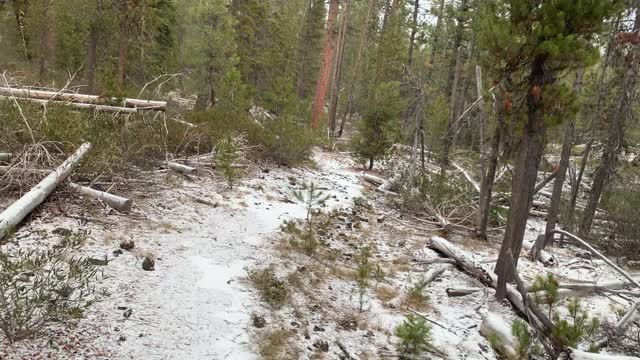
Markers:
319,179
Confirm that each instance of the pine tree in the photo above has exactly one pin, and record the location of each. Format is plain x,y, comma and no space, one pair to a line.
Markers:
546,37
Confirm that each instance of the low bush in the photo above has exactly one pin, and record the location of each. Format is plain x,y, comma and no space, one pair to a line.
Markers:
272,290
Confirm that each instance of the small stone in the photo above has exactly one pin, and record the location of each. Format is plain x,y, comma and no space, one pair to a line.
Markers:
127,314
259,321
127,244
122,338
122,308
318,329
148,264
321,345
99,262
117,252
61,231
141,335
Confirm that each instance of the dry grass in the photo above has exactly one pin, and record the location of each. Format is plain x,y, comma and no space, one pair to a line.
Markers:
385,292
277,344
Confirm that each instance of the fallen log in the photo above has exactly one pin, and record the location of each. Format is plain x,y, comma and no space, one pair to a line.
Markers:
544,182
381,184
621,325
83,98
498,332
574,354
104,108
21,169
183,169
457,292
118,203
5,157
435,273
473,183
14,214
544,257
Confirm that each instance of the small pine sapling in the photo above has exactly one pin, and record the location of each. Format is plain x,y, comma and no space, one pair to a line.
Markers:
415,337
365,271
545,291
227,153
578,328
526,343
311,197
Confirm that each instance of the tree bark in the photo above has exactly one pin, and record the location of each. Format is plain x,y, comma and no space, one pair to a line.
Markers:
20,11
337,73
414,31
565,157
524,179
615,139
325,67
446,146
457,41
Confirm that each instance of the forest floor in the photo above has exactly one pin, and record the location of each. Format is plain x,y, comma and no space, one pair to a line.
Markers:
199,303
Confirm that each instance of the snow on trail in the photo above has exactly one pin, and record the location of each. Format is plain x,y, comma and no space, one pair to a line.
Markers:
195,305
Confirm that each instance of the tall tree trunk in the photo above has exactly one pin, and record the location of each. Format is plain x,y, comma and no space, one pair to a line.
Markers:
446,146
46,46
337,73
615,139
20,11
488,165
457,41
92,59
123,48
325,67
356,69
565,157
414,31
524,180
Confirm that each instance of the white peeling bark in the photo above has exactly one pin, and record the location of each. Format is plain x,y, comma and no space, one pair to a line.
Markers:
119,203
14,214
184,169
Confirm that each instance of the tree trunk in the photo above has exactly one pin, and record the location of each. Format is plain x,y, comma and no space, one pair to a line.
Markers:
92,59
446,146
457,41
414,31
337,73
524,179
356,69
565,157
123,48
46,46
20,11
488,168
609,160
325,67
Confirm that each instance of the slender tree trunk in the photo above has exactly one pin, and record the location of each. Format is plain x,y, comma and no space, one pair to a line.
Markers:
92,61
325,67
524,180
615,139
487,168
46,46
337,74
356,69
414,31
123,48
457,41
565,157
20,11
444,163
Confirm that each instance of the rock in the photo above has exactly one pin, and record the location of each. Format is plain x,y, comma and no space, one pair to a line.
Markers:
259,321
127,314
584,255
318,329
117,252
348,323
99,262
62,231
122,308
148,264
122,338
127,244
321,345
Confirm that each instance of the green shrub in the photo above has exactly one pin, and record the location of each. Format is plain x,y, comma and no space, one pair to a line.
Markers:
415,337
37,288
578,328
526,343
227,153
272,290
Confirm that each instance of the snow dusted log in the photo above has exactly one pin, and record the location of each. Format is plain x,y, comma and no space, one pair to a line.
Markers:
574,354
183,169
381,184
622,324
544,182
468,177
14,214
457,292
119,203
543,256
435,273
498,332
463,260
83,98
5,157
21,169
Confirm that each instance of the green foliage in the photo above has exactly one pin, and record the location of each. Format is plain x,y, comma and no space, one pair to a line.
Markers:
365,272
227,153
37,288
272,290
375,131
416,297
546,291
578,328
621,203
526,343
311,197
415,337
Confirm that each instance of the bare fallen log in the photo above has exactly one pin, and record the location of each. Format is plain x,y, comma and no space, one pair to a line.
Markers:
94,107
544,182
457,292
21,169
437,260
543,256
574,354
498,332
83,98
473,183
183,169
435,273
118,203
14,214
5,157
381,184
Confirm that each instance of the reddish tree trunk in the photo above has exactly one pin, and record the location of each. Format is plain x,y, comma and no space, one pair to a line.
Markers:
325,67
